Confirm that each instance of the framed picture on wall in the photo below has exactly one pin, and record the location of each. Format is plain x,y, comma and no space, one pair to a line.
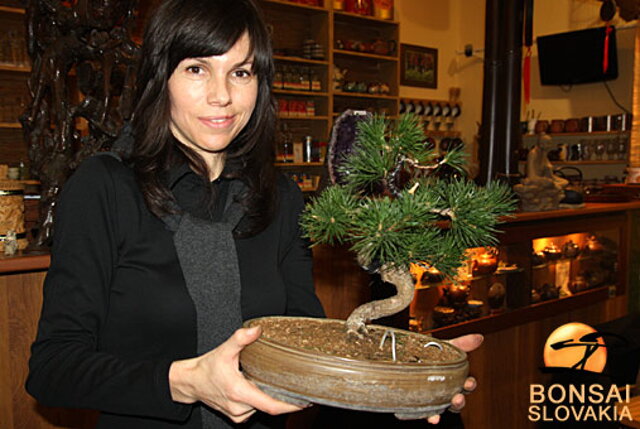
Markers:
418,66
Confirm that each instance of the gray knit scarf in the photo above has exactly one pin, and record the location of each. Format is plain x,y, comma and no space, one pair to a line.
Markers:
209,261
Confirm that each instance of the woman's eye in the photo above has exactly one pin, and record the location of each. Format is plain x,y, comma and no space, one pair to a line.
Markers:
242,74
195,70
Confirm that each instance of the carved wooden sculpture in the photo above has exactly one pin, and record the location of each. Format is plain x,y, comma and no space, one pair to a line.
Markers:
71,117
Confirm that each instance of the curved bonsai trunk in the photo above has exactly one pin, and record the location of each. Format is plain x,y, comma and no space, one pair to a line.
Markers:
403,282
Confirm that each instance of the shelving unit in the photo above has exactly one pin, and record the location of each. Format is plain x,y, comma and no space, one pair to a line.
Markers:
363,20
14,72
292,23
15,10
364,95
10,125
300,60
14,68
589,162
339,52
287,4
582,134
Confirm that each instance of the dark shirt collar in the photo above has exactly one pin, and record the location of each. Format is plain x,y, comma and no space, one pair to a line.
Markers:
177,172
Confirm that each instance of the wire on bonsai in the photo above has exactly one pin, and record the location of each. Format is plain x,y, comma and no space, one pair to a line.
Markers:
394,209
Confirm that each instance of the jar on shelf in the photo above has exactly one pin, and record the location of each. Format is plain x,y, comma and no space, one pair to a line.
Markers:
303,79
278,79
316,83
361,7
383,9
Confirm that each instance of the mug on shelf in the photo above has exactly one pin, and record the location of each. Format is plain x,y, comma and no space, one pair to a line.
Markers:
572,125
557,126
542,126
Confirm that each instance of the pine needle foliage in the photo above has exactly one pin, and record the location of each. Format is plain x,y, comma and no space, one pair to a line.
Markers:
429,221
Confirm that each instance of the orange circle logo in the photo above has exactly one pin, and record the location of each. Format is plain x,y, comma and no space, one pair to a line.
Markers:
576,346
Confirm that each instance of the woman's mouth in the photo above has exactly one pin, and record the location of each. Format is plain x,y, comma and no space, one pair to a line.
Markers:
217,121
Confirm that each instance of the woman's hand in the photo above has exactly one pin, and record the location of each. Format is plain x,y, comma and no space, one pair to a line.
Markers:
215,379
467,343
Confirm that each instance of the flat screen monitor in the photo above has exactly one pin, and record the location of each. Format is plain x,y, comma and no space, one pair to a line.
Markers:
577,57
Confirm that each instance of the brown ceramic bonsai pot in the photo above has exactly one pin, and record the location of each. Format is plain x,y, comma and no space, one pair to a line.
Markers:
302,375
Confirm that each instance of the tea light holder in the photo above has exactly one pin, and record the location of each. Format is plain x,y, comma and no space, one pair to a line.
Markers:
485,264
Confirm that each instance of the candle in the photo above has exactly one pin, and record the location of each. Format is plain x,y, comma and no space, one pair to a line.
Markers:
485,264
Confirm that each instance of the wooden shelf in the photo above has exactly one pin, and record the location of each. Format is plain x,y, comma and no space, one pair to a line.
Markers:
9,9
11,125
15,68
304,118
296,5
589,209
442,133
300,60
364,55
365,19
496,322
364,95
582,134
299,164
431,100
304,93
590,162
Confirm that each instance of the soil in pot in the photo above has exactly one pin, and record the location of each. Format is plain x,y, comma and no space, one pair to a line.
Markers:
330,338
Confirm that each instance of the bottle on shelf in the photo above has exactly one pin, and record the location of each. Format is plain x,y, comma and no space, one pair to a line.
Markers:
278,79
316,83
307,154
303,79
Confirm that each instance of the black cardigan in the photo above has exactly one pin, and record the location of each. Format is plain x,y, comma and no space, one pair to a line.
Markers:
116,310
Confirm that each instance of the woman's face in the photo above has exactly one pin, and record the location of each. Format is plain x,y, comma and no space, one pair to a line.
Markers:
212,99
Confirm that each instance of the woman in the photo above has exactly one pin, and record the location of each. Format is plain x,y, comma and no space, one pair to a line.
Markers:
158,256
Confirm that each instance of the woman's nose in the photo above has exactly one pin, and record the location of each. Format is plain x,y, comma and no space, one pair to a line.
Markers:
218,92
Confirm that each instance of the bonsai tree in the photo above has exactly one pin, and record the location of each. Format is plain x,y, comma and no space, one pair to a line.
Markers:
396,201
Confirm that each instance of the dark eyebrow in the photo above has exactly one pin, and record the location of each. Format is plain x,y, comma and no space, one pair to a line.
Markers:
245,62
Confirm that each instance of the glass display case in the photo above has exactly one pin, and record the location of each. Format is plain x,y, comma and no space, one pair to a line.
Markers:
536,263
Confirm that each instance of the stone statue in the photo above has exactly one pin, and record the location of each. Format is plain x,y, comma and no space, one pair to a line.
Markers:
541,189
93,39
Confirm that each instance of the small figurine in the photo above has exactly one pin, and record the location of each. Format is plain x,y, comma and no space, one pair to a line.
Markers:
496,295
542,189
10,243
339,76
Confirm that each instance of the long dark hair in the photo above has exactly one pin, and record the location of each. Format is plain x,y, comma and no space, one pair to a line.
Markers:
199,28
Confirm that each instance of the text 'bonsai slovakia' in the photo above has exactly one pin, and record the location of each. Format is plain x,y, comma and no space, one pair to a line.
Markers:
395,207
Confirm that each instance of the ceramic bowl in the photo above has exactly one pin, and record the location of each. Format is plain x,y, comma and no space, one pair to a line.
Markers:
409,390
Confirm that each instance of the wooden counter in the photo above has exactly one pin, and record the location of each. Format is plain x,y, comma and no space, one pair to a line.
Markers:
21,281
589,209
25,262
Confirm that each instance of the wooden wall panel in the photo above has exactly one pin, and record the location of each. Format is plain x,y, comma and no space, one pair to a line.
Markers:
20,303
